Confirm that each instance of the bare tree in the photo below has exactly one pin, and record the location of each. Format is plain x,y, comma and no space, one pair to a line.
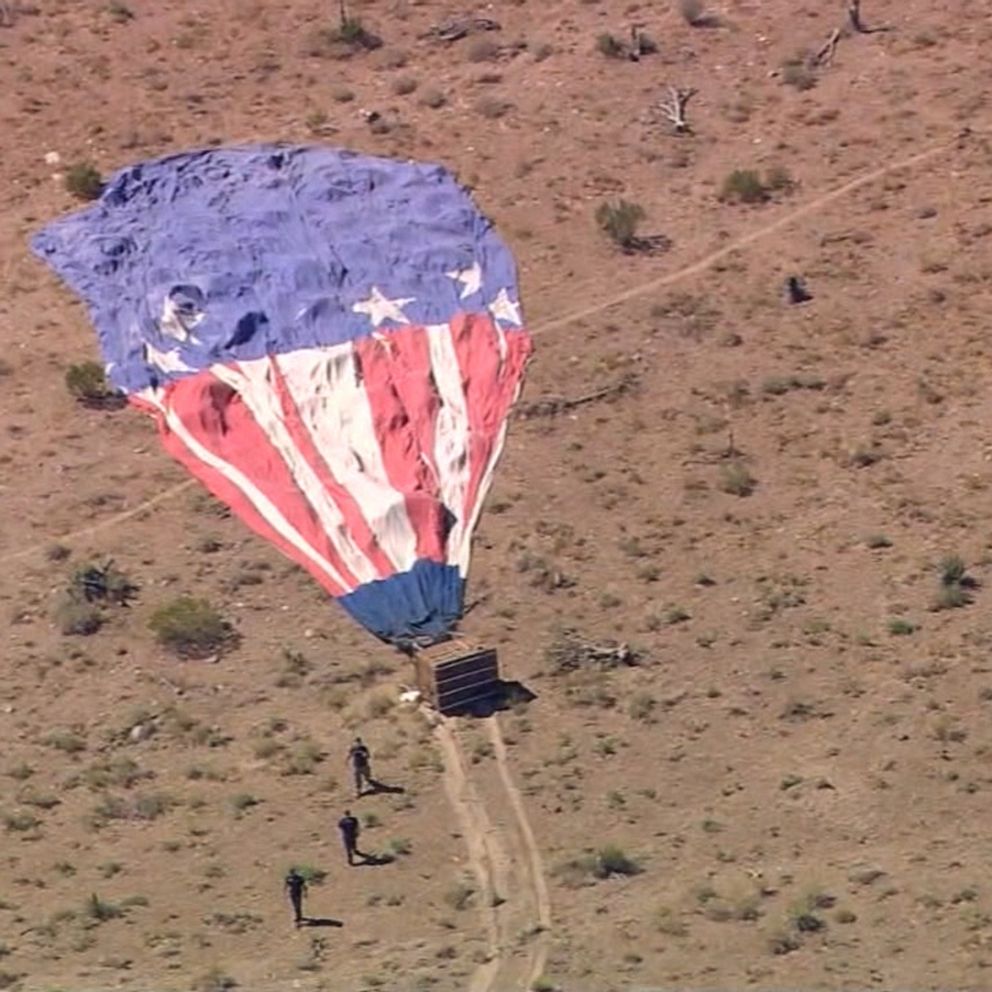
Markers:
825,54
674,109
854,15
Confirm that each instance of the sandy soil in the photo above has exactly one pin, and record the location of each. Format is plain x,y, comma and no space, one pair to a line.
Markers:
799,764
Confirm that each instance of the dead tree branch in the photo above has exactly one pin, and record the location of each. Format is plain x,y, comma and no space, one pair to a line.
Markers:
553,405
825,54
854,15
674,109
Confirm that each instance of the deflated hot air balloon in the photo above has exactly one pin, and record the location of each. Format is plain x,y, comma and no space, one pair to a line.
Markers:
331,343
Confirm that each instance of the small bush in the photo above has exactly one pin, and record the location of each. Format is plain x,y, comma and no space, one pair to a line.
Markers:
66,740
84,181
400,845
87,384
611,860
950,598
952,570
953,591
901,628
691,11
736,480
642,706
778,179
120,12
97,909
310,874
214,980
304,759
152,805
353,32
405,85
492,107
74,617
243,801
190,627
620,221
795,72
744,186
876,541
609,46
20,822
459,896
433,98
483,50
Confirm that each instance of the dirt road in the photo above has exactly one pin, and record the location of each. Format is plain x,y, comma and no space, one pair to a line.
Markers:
512,892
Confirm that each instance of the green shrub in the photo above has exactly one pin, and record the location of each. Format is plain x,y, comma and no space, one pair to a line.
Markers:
736,480
76,617
190,627
20,822
901,628
348,38
951,598
352,32
609,46
84,181
97,909
611,860
311,875
620,221
87,384
120,12
691,11
744,186
243,801
66,740
795,72
214,980
952,570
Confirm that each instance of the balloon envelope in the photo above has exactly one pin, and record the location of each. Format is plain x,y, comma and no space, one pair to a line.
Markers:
330,342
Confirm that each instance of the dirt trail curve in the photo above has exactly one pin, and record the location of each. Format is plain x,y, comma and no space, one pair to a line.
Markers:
512,894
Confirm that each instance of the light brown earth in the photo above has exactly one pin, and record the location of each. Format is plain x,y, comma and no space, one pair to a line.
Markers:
779,750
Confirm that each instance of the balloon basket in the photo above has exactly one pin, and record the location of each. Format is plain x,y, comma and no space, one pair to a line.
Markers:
457,676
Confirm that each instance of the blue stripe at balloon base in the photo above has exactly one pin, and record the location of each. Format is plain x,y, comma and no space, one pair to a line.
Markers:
425,602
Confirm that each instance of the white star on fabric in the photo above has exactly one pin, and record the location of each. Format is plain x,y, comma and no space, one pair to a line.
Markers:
379,309
470,278
165,361
503,308
177,325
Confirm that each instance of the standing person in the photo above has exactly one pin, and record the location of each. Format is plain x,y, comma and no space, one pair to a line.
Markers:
348,825
296,887
360,758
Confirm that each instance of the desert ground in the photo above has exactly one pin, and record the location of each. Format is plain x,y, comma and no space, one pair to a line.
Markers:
781,510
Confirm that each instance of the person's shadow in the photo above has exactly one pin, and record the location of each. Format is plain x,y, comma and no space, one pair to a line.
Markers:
375,787
320,921
372,860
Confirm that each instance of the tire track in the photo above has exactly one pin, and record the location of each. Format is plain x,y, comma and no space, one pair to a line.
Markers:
507,866
537,883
